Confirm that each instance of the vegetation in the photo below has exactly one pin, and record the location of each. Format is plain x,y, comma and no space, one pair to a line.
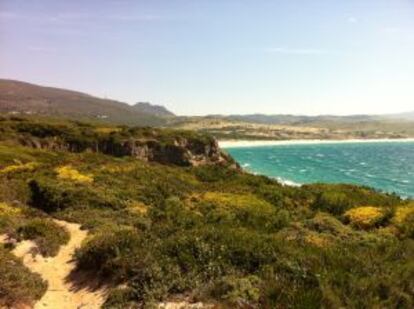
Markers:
210,233
47,235
285,127
18,286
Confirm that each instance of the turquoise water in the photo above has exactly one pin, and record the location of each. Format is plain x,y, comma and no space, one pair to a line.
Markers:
385,166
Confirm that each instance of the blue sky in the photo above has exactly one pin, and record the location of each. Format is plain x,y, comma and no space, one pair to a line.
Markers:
218,56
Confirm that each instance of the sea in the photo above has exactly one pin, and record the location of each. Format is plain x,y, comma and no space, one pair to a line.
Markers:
385,166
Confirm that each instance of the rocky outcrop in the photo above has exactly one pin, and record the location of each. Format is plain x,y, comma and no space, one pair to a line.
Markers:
180,151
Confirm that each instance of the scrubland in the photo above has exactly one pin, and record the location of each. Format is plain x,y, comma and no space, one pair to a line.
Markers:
211,233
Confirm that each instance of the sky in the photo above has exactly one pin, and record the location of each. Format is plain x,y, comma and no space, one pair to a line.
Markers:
218,56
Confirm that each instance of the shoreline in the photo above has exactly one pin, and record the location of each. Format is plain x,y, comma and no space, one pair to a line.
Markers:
261,143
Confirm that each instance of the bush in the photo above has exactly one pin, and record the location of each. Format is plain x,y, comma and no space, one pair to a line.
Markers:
111,253
336,199
325,223
241,292
404,220
120,298
47,235
71,174
18,286
366,217
335,203
52,196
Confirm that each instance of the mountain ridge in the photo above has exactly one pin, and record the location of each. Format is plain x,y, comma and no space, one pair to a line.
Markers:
153,109
21,97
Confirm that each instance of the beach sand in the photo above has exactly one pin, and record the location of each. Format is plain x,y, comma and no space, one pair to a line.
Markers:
258,143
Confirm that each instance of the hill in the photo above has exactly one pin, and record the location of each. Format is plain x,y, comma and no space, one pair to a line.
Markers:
24,98
297,127
157,110
203,235
405,116
282,119
21,97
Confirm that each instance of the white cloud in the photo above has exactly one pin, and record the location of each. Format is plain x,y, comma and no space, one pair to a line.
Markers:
296,51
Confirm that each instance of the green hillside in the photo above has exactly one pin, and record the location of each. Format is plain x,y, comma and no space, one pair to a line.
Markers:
23,98
204,231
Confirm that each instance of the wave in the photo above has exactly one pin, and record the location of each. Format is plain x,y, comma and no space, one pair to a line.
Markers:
287,182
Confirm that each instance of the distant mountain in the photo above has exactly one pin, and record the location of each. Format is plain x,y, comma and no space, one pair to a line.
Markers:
281,119
404,116
157,110
20,97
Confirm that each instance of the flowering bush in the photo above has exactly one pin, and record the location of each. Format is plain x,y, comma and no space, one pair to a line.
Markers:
27,167
5,209
402,213
404,220
69,173
364,217
317,240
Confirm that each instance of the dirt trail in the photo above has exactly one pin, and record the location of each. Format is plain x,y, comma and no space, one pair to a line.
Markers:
62,293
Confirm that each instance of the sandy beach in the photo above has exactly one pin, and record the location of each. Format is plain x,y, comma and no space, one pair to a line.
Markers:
257,143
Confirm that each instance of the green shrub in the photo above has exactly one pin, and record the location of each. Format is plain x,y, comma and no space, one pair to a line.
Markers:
336,199
111,253
213,173
18,286
407,227
243,291
335,203
325,223
51,195
48,235
120,298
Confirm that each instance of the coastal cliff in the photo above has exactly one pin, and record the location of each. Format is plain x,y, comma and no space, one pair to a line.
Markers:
182,148
181,151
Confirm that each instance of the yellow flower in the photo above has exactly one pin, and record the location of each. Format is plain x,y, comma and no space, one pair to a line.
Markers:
27,167
126,168
107,130
364,217
317,240
402,212
69,173
5,209
136,207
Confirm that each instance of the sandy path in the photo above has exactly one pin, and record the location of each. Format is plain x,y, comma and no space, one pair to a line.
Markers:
61,293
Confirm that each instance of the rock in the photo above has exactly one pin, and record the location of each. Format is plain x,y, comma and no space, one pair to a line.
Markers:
179,151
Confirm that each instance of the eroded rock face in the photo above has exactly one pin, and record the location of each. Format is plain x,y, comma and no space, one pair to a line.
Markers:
181,151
